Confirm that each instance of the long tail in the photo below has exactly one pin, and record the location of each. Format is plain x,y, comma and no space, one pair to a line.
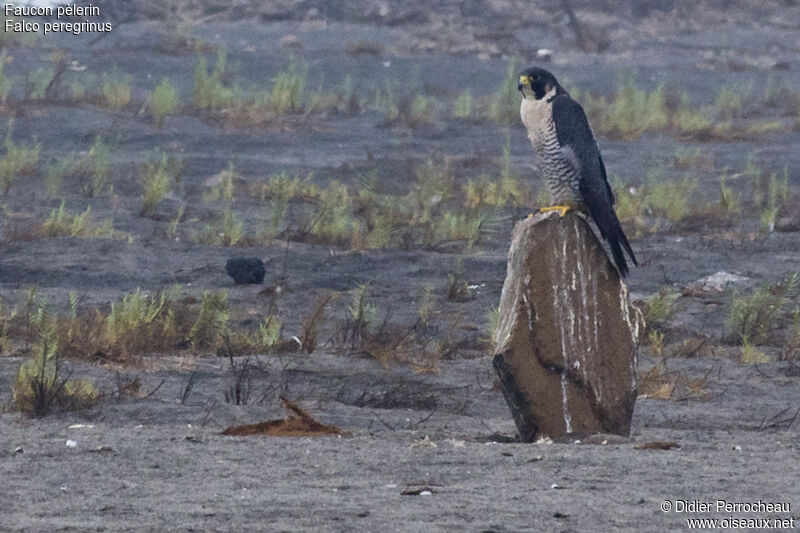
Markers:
617,241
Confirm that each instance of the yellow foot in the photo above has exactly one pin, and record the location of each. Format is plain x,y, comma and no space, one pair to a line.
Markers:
562,208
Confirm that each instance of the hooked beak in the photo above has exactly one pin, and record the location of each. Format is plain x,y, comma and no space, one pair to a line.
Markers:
523,81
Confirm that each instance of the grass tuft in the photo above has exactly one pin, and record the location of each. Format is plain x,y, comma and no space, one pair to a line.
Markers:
17,161
504,103
279,189
5,80
41,384
463,107
288,89
156,178
752,317
660,307
163,101
116,90
209,90
60,223
99,167
229,230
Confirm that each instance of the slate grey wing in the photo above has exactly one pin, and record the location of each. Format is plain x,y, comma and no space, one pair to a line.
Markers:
575,135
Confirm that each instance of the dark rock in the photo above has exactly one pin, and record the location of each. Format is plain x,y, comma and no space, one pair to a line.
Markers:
245,270
566,341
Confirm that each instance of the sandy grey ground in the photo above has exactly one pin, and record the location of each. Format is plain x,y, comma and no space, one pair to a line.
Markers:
157,464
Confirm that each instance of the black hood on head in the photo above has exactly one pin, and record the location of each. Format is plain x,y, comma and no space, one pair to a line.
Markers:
540,82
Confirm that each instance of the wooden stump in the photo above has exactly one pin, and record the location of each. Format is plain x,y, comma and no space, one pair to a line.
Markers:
566,341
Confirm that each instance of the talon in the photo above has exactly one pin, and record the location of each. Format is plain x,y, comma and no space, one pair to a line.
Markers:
562,209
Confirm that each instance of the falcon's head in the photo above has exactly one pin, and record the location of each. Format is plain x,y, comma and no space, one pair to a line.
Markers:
536,82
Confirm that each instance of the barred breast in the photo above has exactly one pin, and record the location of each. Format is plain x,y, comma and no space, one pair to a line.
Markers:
559,167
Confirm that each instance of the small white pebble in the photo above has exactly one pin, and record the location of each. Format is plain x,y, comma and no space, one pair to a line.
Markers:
71,443
737,448
425,493
391,486
554,486
18,450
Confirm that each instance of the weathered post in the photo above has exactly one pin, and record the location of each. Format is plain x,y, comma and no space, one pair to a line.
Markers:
566,341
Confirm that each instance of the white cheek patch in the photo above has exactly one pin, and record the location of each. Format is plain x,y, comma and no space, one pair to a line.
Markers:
535,113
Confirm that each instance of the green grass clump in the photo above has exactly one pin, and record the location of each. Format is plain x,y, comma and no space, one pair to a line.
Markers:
280,189
228,230
5,81
130,322
60,223
136,325
773,192
630,201
17,161
385,101
333,219
633,111
209,90
466,227
670,199
41,385
686,157
211,324
691,123
493,324
116,90
163,101
463,105
752,355
76,86
425,305
67,165
660,307
504,103
410,112
99,167
729,199
730,100
422,110
270,333
37,83
288,89
361,310
507,190
432,188
753,316
156,178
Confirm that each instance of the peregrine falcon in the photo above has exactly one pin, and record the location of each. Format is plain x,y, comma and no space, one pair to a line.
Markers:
568,156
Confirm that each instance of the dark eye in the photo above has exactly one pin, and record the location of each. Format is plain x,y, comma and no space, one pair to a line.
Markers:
535,77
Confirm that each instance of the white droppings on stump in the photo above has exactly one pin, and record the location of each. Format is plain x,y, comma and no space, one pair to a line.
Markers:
567,332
